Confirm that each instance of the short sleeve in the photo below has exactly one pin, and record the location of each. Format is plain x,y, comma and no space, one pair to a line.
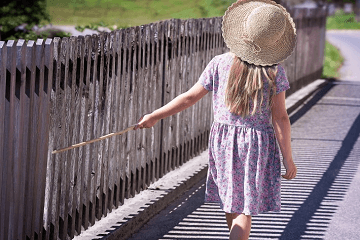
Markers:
207,77
282,83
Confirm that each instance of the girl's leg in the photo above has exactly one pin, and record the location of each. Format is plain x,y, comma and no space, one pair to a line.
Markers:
239,226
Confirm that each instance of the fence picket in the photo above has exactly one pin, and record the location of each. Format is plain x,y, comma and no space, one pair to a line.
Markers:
30,136
112,111
3,61
87,120
9,140
20,137
94,127
122,117
116,117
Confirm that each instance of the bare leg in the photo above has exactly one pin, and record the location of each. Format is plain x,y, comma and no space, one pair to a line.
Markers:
239,226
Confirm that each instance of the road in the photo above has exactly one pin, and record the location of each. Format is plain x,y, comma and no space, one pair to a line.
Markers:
348,41
322,202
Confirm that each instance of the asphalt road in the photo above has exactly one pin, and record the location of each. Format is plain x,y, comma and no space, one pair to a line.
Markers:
322,202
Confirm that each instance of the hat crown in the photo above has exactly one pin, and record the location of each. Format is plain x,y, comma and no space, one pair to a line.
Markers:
260,32
265,24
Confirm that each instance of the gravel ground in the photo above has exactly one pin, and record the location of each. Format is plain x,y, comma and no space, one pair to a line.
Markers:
71,29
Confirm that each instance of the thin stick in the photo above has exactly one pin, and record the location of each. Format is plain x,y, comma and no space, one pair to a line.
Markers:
94,140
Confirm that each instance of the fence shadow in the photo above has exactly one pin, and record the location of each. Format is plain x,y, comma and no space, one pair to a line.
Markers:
326,167
187,218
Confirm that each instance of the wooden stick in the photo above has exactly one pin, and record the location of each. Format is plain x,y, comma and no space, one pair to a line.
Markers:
94,140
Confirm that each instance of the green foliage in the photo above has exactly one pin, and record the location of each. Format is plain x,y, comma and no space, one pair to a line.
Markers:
14,13
131,12
341,20
332,61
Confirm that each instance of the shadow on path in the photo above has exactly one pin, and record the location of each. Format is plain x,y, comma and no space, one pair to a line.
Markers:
309,104
298,224
327,162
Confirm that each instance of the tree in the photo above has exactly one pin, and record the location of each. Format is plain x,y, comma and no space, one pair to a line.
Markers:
18,17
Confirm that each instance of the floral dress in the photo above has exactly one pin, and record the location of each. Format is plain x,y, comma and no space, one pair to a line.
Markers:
244,161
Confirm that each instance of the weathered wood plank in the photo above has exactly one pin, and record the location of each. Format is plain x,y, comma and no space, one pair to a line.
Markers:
182,80
154,102
69,125
194,109
65,119
106,98
78,136
126,81
122,118
75,159
186,86
99,121
117,116
9,142
31,144
167,96
113,145
133,111
147,153
176,81
88,133
141,106
112,111
57,161
46,202
95,129
19,148
44,62
3,164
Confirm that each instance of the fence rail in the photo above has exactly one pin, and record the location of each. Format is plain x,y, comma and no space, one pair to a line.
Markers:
58,92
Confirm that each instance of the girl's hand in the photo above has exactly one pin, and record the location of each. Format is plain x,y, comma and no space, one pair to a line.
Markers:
146,121
291,169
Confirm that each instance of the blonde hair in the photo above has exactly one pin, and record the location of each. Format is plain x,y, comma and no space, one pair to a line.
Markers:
245,84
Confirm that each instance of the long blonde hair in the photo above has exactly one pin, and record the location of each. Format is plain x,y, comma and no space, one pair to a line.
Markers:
245,84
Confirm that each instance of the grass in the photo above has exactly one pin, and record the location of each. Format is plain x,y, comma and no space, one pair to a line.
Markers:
125,13
341,20
332,61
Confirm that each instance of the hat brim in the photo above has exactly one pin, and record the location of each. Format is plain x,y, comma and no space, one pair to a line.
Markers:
233,28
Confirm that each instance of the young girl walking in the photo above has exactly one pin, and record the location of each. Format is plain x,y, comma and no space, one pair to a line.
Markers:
250,117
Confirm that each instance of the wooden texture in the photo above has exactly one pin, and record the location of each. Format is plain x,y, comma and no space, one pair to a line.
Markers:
59,92
3,162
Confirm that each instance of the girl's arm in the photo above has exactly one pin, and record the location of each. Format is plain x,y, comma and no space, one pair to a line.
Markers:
176,105
281,123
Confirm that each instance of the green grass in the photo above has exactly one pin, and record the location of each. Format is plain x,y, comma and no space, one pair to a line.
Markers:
341,20
124,13
332,61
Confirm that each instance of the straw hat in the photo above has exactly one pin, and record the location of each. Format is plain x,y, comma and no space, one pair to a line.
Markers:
260,32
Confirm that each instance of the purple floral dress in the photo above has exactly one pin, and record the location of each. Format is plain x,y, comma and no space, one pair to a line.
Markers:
244,162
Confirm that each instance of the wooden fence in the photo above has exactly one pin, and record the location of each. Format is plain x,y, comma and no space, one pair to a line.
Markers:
58,92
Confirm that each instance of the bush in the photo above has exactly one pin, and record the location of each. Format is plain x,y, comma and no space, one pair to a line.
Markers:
18,18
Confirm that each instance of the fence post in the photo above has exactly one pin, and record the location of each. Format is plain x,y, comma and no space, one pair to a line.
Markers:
357,10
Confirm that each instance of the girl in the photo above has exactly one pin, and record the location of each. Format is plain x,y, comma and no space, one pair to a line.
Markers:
248,86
